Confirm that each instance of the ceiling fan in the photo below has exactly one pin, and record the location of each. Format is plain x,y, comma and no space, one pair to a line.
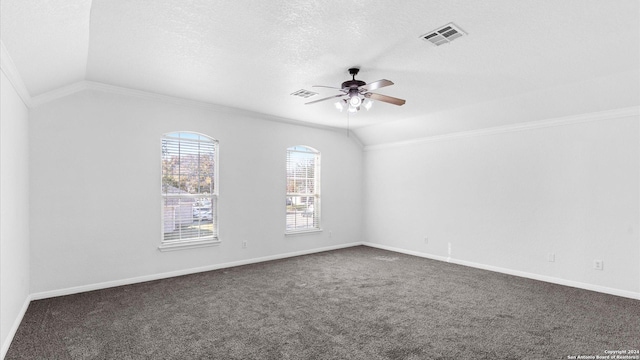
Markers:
356,92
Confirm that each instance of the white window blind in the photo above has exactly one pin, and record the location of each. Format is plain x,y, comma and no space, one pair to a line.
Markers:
303,189
189,190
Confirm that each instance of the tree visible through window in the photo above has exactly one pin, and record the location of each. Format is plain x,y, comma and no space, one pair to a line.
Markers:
303,189
189,190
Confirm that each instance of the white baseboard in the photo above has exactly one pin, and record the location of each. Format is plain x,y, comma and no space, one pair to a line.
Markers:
140,279
549,279
14,327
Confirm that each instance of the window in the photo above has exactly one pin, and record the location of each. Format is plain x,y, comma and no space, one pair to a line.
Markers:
303,189
189,191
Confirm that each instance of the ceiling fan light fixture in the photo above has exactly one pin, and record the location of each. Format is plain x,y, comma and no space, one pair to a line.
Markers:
355,101
339,105
353,109
367,103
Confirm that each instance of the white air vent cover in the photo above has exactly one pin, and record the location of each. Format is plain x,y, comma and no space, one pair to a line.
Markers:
304,93
443,35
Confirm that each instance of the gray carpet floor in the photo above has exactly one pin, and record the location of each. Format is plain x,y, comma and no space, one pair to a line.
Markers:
354,303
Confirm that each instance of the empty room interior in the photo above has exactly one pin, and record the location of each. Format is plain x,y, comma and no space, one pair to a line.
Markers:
320,179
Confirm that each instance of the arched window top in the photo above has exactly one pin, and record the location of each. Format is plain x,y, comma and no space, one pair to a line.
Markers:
298,153
303,149
188,136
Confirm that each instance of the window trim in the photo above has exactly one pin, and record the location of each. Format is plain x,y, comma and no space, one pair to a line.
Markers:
317,194
303,232
198,242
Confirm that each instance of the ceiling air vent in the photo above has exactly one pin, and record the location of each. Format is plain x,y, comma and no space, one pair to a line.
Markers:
304,93
443,35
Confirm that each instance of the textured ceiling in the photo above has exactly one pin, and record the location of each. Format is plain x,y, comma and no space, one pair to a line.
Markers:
254,54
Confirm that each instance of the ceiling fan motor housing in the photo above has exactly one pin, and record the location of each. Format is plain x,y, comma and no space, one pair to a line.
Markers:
352,84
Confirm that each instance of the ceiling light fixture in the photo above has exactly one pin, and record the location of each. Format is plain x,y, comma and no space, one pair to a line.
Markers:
355,101
367,103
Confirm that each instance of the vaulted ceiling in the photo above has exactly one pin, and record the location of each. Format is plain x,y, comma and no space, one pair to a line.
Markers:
253,54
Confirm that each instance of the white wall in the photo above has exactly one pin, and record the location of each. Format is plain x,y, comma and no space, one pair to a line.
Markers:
95,188
505,200
14,210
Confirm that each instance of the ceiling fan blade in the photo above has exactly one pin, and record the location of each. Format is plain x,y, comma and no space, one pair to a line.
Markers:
330,87
376,85
327,98
385,98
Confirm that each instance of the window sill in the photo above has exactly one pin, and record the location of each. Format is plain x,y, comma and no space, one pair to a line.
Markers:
302,232
188,244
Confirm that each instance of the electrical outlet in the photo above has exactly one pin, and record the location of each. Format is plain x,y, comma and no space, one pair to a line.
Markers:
598,264
244,244
551,257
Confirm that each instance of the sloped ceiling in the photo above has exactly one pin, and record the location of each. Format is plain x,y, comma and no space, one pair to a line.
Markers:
253,54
